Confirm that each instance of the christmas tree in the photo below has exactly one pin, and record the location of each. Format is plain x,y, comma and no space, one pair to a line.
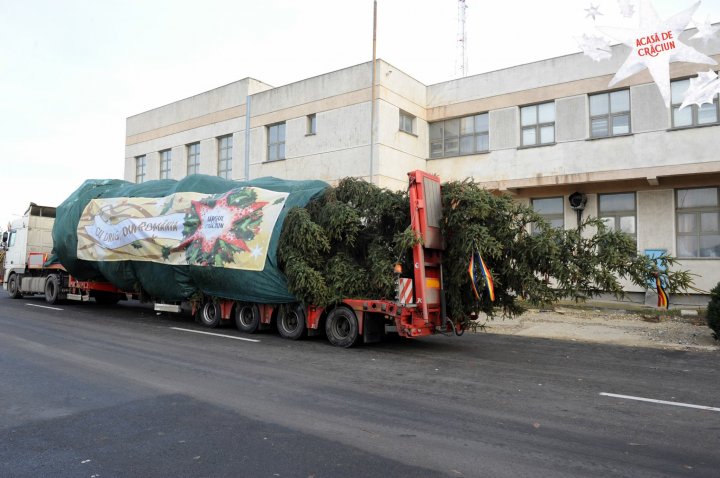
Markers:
346,243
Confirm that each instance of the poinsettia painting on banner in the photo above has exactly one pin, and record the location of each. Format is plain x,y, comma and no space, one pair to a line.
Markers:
230,230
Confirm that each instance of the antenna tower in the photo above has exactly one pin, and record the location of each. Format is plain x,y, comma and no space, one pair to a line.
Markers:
461,65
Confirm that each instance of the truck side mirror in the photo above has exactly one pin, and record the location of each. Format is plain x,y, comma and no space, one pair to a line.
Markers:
5,237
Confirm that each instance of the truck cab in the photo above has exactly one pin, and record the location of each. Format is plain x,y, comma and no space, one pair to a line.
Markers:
27,242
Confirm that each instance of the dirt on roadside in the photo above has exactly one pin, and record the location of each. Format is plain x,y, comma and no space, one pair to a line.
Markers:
610,326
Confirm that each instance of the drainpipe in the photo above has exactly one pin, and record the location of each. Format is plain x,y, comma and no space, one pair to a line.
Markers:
247,137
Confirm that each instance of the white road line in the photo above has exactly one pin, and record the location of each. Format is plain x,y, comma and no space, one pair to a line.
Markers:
218,335
43,306
663,402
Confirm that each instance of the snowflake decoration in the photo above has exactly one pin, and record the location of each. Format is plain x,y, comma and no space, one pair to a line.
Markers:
592,11
654,45
627,9
702,89
256,252
595,47
706,31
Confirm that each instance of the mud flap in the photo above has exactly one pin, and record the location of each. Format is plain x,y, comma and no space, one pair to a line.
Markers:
374,328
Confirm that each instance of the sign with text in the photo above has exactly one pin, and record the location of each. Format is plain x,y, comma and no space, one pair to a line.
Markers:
230,230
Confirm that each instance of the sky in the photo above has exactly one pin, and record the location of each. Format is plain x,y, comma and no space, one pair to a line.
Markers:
72,71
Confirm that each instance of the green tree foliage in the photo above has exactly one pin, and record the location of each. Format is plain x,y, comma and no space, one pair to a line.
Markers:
346,243
713,311
542,266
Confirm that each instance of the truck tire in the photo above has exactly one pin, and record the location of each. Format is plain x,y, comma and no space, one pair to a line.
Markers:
247,317
14,287
52,289
210,315
291,322
341,327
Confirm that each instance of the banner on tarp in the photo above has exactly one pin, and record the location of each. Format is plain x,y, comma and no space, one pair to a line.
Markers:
230,230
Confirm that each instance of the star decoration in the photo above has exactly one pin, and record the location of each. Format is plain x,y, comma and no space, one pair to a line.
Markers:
222,224
256,252
627,9
595,47
592,11
655,44
706,31
702,89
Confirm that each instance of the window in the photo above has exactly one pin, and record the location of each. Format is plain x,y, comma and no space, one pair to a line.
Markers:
140,166
538,124
276,142
460,136
13,236
193,158
165,159
552,210
692,115
225,145
311,124
407,122
617,211
610,114
698,221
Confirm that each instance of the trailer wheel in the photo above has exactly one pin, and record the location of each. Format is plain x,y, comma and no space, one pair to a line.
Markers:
341,327
13,287
52,289
210,315
291,322
247,317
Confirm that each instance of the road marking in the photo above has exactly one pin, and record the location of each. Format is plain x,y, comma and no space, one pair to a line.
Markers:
663,402
218,335
43,306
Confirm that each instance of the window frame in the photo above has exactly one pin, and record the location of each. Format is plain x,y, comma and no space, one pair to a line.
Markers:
444,139
610,115
406,118
695,109
548,217
140,168
193,158
165,163
311,124
697,211
616,215
225,160
537,126
281,126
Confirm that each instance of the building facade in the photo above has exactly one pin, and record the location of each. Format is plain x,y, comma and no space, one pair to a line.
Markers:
540,132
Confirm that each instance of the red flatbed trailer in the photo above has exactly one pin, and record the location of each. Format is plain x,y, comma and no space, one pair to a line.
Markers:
417,310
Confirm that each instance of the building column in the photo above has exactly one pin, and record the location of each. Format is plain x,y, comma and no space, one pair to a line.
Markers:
178,162
209,156
152,166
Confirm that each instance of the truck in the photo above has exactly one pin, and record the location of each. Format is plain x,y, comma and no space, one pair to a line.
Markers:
417,310
26,247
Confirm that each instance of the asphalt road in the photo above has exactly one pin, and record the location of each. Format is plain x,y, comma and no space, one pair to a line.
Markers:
91,391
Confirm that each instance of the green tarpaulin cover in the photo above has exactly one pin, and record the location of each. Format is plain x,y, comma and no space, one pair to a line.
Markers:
173,239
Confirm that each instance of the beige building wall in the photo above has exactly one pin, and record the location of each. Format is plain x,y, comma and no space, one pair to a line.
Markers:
652,161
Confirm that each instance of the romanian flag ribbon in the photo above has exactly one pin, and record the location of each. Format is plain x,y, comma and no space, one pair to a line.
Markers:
477,267
663,301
